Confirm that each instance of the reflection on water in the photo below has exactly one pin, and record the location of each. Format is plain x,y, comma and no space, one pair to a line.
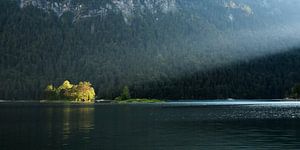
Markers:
66,123
51,126
70,119
185,126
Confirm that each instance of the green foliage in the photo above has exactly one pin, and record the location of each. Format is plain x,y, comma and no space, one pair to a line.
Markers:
65,86
83,92
125,94
50,92
295,92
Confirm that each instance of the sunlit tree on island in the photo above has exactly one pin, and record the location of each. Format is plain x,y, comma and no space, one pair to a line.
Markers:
83,92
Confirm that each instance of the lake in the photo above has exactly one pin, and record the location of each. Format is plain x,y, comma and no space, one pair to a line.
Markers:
170,126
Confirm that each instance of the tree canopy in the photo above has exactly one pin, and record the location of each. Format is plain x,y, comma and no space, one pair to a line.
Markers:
82,92
295,92
125,94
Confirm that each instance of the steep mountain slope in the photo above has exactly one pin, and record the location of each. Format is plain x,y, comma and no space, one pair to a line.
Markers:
113,43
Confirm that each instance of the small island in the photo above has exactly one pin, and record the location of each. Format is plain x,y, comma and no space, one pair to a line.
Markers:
83,92
125,98
68,92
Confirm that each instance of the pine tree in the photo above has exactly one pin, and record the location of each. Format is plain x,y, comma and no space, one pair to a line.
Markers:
125,93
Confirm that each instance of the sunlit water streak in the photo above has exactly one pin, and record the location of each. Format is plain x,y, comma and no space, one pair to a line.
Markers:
274,103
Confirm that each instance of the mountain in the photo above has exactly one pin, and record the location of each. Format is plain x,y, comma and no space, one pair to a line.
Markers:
113,43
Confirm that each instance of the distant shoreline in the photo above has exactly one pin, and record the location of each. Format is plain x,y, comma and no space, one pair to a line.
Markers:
78,102
132,101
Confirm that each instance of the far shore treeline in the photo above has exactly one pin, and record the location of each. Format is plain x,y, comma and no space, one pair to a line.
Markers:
84,92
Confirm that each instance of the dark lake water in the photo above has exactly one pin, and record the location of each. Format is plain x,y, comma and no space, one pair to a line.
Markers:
171,126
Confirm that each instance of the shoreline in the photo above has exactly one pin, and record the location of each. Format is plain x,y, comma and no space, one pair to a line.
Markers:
130,101
144,101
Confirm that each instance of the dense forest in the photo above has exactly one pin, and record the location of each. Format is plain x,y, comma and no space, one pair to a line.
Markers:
274,76
196,50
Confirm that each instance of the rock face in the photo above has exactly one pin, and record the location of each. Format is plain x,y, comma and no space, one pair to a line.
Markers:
245,8
58,7
230,10
128,8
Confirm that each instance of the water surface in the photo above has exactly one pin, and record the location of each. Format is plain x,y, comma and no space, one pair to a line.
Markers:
170,126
